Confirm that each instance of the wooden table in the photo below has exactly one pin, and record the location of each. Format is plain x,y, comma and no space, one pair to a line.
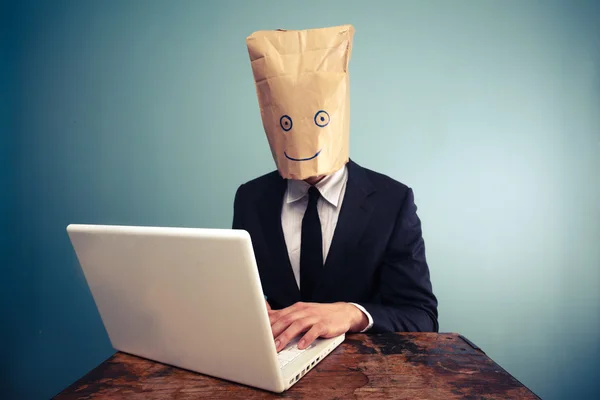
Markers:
387,366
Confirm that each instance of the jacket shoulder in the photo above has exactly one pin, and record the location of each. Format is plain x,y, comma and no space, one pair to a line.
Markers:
384,183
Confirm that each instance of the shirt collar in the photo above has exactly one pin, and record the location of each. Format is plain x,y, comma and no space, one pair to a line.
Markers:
330,187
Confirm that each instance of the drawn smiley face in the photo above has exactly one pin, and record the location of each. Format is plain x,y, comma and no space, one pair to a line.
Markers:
321,120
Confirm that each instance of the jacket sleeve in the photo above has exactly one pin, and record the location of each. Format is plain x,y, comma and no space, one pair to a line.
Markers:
238,218
405,301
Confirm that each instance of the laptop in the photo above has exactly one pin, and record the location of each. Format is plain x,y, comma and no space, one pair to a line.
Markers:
190,298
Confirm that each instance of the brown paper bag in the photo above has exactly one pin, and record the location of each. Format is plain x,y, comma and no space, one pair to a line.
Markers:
304,97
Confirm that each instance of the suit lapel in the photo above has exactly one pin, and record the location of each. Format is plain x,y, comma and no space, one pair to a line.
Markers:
352,221
282,284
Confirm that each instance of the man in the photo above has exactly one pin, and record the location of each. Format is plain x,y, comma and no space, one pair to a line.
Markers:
339,248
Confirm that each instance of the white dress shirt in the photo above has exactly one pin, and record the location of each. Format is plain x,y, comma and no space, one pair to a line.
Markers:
295,201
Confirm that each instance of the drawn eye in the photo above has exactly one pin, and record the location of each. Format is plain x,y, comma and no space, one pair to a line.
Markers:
321,118
285,122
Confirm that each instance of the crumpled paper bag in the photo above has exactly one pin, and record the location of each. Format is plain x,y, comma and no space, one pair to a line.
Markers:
303,91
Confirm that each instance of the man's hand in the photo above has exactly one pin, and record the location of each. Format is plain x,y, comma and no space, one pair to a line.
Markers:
317,320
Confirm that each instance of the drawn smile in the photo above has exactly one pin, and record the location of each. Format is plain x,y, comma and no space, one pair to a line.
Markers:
301,159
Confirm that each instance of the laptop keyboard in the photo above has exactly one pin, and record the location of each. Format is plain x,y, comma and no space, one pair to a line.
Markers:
290,352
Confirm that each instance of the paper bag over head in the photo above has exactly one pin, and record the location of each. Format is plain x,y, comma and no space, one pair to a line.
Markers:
304,97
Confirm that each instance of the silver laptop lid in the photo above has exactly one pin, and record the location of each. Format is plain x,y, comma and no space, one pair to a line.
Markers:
187,297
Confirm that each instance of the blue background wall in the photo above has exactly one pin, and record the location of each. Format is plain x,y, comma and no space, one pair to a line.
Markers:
145,113
9,293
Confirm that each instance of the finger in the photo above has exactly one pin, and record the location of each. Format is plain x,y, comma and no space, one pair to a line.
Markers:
268,306
273,317
313,333
282,323
294,330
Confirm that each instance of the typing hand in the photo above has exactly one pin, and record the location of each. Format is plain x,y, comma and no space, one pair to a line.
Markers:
317,320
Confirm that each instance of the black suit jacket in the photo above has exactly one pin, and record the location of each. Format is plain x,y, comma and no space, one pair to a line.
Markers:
377,255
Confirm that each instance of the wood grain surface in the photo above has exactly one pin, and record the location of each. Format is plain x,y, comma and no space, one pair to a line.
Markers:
386,366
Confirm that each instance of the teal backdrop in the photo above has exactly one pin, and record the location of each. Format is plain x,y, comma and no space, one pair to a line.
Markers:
145,113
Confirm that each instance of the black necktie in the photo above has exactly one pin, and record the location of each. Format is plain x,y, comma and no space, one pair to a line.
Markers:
311,247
